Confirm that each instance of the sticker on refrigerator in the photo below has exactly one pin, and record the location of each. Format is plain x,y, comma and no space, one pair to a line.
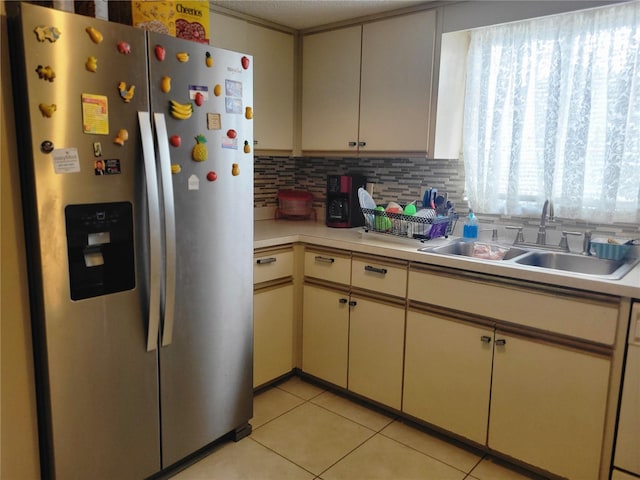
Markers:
109,166
233,88
214,121
95,114
230,143
194,183
66,160
233,105
203,90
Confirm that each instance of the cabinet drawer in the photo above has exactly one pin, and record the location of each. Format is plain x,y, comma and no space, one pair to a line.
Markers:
272,265
577,316
328,265
379,276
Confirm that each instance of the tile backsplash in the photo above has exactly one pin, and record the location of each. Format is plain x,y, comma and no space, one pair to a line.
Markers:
396,179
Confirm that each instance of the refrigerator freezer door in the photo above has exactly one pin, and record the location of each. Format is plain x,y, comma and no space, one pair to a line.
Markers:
97,384
153,215
206,371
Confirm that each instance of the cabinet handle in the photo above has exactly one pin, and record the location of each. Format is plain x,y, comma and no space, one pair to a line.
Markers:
353,303
324,259
485,339
262,261
369,268
501,341
342,301
352,144
362,144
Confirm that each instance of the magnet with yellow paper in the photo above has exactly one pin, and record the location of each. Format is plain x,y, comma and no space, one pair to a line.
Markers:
180,111
94,35
121,137
47,32
126,92
235,170
248,113
247,147
182,57
46,73
217,90
199,152
175,168
208,60
47,110
124,48
91,64
165,84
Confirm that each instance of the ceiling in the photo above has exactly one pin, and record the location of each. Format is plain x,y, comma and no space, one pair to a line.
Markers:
304,14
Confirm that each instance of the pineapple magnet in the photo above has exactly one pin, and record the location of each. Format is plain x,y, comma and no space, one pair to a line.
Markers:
199,152
246,147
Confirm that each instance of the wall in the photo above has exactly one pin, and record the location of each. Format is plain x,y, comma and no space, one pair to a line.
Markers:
19,436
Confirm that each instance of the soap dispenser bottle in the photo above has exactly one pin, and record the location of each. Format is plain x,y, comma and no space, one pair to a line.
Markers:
470,228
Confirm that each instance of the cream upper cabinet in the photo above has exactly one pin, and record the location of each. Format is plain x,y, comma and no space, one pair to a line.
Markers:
548,405
273,81
331,90
367,88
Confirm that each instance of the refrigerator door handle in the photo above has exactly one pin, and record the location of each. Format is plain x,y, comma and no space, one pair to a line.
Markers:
169,228
148,154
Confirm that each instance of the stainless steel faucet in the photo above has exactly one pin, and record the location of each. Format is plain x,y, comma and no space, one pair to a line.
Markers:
547,213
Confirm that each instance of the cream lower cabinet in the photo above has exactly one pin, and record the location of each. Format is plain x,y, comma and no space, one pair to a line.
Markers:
273,314
548,405
447,374
376,345
272,333
325,334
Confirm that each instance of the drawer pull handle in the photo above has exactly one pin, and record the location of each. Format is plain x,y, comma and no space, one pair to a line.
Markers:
352,143
501,341
324,259
353,303
362,144
263,261
485,339
343,301
369,268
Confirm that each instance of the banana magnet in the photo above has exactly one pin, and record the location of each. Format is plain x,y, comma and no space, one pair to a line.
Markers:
182,57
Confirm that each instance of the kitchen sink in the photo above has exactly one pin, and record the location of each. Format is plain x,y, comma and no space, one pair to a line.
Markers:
482,250
538,258
582,264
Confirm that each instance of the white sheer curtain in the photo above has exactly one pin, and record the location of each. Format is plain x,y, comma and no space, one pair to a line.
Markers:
552,110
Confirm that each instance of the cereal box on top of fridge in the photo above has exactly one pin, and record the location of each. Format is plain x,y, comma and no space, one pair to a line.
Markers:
188,20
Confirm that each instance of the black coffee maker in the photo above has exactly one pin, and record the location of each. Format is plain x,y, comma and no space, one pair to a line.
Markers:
343,206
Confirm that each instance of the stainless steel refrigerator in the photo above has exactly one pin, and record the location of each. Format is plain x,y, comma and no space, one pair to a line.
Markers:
137,178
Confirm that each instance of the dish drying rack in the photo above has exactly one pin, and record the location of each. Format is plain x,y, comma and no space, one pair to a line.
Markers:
411,226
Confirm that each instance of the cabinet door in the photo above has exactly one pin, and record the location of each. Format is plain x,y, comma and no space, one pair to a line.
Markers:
272,334
548,406
376,341
273,72
331,89
325,334
447,374
397,64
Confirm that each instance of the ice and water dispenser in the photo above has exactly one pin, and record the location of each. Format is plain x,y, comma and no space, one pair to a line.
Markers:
100,248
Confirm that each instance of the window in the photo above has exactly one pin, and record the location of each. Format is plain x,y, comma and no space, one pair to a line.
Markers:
552,110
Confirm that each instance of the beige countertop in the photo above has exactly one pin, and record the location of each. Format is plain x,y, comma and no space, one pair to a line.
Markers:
270,233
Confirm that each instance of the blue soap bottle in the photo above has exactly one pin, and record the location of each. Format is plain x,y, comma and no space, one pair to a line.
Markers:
470,228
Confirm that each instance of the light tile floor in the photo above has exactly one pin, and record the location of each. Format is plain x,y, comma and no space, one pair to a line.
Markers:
304,432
